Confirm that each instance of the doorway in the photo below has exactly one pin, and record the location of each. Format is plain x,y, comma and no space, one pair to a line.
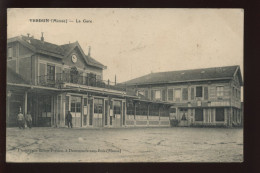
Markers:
98,112
173,113
75,107
117,114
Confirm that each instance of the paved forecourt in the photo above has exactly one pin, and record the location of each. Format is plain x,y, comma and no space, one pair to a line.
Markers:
124,145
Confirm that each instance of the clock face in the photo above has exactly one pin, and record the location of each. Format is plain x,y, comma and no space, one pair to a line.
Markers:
74,58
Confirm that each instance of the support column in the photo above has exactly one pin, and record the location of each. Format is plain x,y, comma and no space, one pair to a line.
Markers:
135,115
148,112
82,111
104,113
36,109
7,107
108,113
231,117
121,122
25,103
159,112
135,111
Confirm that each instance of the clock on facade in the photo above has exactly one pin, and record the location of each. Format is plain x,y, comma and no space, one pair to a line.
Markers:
74,58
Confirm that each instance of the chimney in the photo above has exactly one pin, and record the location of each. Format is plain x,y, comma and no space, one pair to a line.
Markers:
115,79
42,38
28,35
89,49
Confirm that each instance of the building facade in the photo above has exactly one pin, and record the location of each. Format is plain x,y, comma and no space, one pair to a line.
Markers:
200,97
48,80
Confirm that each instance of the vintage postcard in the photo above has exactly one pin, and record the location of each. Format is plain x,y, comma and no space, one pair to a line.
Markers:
124,85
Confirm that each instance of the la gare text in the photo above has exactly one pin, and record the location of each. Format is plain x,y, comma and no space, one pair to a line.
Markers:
60,21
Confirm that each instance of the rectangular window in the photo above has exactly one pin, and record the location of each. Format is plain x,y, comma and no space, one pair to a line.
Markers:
50,72
157,94
91,79
206,93
170,94
85,101
130,108
47,103
146,93
177,95
220,114
141,93
154,110
14,51
78,107
75,104
220,91
141,109
98,77
185,94
198,114
199,91
73,107
117,107
98,106
192,94
10,52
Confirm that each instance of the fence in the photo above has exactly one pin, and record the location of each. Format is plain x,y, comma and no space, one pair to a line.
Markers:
59,78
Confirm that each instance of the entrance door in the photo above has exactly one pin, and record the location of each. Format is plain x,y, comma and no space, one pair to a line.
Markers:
173,113
16,102
183,114
76,111
98,112
117,114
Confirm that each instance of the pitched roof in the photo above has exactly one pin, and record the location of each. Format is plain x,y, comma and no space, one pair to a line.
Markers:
92,60
59,51
43,45
13,77
215,73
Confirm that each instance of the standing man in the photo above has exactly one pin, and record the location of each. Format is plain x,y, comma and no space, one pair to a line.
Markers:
28,119
69,119
20,119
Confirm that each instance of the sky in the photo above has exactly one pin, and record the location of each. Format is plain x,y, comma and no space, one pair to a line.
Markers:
136,42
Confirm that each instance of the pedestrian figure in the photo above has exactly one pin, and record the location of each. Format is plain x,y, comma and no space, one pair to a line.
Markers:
28,119
69,119
20,120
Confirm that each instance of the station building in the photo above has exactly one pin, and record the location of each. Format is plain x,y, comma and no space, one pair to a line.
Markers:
199,97
48,80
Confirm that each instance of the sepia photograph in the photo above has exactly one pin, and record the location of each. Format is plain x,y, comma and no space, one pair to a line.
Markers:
124,85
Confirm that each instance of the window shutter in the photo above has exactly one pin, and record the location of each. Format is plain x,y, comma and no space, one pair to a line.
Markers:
14,51
163,95
185,93
206,97
192,94
170,94
42,69
152,94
